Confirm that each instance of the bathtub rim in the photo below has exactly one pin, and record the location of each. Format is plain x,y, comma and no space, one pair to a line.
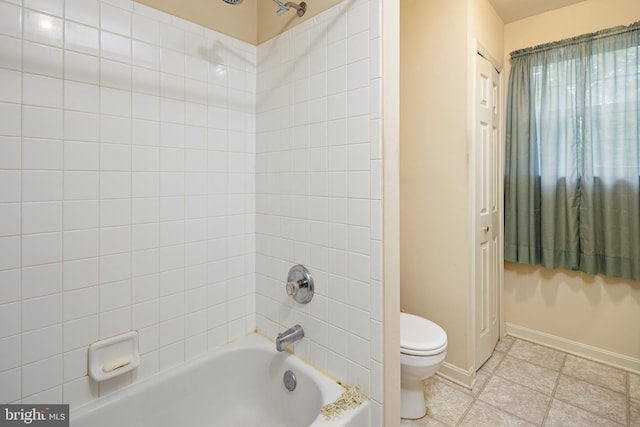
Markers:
330,388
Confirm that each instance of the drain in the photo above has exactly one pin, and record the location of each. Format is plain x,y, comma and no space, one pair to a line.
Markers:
290,381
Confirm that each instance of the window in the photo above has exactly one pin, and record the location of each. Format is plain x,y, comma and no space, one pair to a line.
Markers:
572,184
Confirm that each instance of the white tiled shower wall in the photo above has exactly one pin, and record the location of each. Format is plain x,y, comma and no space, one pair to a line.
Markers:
127,191
132,194
318,185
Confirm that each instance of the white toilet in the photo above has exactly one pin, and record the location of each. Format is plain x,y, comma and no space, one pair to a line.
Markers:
423,347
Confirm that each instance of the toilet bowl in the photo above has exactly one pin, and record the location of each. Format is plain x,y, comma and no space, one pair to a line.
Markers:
423,347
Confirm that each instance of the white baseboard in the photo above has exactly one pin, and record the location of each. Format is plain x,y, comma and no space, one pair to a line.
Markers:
457,375
573,347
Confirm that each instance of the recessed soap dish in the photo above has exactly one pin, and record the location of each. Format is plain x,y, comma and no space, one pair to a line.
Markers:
113,356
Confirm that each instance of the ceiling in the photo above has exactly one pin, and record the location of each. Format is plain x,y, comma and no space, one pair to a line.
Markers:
513,10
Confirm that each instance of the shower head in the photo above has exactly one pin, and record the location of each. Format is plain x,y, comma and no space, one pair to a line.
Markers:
284,7
232,1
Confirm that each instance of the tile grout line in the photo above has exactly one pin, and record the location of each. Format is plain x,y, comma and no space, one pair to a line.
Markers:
598,414
475,396
483,386
552,396
553,392
627,378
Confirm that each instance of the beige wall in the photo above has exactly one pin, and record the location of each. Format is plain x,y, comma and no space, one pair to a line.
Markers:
239,21
252,21
488,29
270,24
435,66
592,310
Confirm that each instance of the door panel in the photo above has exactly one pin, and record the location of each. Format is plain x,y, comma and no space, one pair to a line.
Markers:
486,225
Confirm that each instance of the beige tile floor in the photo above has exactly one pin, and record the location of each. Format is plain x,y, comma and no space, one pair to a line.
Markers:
526,384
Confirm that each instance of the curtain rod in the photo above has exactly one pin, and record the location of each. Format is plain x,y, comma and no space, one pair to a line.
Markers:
609,32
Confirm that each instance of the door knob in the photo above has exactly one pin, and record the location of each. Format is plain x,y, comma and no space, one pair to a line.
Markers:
485,229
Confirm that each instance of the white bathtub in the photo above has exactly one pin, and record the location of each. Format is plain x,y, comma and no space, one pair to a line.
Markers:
240,385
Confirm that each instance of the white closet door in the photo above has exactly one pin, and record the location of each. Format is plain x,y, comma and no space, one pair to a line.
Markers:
487,227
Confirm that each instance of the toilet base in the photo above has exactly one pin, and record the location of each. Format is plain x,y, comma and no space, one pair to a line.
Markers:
412,404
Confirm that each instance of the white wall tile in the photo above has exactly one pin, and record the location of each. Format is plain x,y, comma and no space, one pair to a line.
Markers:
116,75
81,273
115,47
54,7
115,240
145,29
115,295
82,127
41,280
81,303
40,59
41,154
171,281
83,67
41,217
10,317
115,102
145,106
145,314
116,130
41,375
13,385
41,185
80,214
38,122
11,54
114,185
11,20
10,155
11,355
10,290
10,120
115,20
41,248
79,391
163,229
114,267
146,80
9,219
171,355
80,244
42,28
145,132
41,343
84,11
41,312
145,210
41,91
81,156
78,334
145,262
81,97
337,184
11,82
115,322
81,185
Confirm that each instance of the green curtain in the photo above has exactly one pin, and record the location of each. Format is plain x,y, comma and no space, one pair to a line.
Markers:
572,184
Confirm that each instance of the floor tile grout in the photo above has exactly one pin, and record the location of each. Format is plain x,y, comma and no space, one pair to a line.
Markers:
627,378
553,392
612,386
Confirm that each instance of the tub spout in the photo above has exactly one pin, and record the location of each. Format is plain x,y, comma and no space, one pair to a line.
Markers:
290,335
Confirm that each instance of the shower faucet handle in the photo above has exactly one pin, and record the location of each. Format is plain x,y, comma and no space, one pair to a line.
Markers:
294,287
300,284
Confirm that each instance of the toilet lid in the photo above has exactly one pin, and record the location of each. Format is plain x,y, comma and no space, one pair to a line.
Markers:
421,337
